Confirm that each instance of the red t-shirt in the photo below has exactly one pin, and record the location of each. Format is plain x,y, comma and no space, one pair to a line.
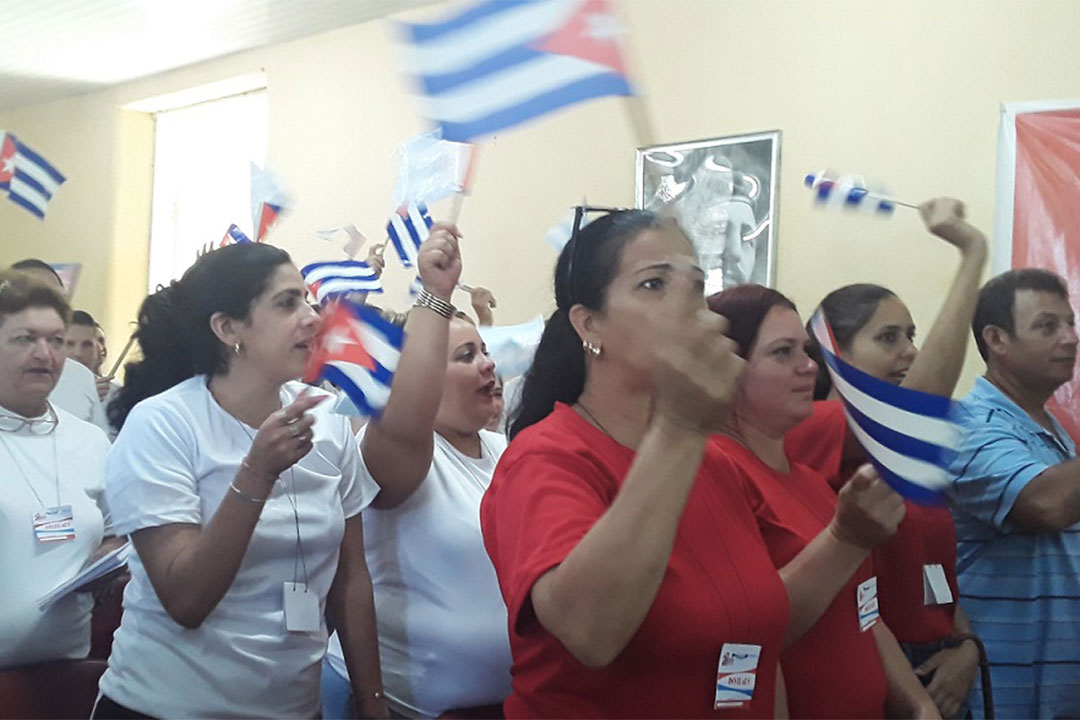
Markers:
925,537
834,670
551,486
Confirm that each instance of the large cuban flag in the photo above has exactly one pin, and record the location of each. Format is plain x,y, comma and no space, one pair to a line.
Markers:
910,436
503,62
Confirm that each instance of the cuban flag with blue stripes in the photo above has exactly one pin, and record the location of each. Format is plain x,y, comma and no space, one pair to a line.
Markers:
233,236
503,62
358,351
328,280
408,227
909,436
28,178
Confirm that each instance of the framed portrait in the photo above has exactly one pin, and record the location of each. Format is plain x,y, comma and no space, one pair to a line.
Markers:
723,193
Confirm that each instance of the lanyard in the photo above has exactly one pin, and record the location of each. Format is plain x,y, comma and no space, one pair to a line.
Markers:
26,478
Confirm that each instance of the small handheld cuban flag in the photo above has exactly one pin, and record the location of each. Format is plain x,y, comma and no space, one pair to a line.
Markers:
849,192
909,436
328,280
407,229
27,178
234,236
357,350
500,63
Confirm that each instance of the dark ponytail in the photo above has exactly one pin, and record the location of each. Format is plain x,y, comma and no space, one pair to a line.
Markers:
174,331
847,309
586,267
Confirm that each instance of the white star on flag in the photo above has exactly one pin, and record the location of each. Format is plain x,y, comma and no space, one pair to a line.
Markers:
603,26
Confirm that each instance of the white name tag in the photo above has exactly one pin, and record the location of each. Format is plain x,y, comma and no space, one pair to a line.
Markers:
54,524
736,675
936,590
301,609
868,604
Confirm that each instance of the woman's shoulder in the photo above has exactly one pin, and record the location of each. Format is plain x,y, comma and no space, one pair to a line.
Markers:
178,406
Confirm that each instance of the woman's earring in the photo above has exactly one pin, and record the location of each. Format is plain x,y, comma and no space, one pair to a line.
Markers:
594,349
237,347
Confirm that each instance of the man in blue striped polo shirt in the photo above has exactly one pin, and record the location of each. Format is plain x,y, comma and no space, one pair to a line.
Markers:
1016,499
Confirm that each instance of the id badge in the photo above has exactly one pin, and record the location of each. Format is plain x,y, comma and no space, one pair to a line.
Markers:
736,675
868,604
54,524
936,590
301,608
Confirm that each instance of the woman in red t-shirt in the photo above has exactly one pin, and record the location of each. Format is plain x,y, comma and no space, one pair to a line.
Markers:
633,570
848,664
874,332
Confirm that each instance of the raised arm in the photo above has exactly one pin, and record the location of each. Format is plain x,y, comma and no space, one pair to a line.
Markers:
937,367
397,449
597,598
191,567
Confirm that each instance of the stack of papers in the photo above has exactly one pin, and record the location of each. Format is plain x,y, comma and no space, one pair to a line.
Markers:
106,564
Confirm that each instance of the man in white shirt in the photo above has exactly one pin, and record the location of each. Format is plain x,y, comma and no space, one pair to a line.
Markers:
76,391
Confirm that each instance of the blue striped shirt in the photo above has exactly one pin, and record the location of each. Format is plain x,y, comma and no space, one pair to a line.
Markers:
1020,589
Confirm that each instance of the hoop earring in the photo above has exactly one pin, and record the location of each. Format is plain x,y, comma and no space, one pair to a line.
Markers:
594,349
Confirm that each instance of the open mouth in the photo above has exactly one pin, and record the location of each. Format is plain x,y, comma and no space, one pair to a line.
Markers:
306,345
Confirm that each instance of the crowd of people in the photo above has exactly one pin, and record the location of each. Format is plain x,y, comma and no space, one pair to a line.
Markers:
670,518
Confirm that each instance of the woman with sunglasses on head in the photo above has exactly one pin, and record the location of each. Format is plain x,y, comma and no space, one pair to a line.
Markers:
242,495
442,623
874,333
53,515
847,664
629,557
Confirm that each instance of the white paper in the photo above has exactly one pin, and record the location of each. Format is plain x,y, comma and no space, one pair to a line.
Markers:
936,590
106,564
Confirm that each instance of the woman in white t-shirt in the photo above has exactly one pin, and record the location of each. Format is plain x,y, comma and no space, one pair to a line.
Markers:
242,494
442,622
53,515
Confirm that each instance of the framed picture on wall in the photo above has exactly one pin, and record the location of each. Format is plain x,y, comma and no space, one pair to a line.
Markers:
723,193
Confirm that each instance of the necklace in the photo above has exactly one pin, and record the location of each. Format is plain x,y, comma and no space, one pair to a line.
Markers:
594,420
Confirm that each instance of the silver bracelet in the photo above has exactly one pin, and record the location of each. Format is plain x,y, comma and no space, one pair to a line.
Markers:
435,304
245,496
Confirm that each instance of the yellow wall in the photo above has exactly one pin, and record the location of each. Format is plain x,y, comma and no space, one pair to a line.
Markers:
907,92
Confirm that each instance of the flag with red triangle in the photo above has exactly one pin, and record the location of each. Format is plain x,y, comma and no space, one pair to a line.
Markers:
357,350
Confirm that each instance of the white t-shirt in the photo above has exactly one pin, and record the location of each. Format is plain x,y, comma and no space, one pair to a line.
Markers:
443,639
76,392
172,463
28,568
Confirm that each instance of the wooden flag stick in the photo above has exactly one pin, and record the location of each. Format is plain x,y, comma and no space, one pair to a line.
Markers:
120,359
466,185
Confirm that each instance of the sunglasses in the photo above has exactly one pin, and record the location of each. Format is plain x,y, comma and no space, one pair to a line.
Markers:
579,214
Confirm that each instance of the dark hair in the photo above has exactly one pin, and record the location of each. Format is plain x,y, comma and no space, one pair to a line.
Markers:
81,317
19,291
557,373
174,323
847,309
35,264
997,300
745,307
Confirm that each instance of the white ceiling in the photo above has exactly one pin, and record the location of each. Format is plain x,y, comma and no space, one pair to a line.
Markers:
51,49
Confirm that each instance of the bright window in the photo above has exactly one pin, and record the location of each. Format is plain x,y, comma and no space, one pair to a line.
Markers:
202,177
